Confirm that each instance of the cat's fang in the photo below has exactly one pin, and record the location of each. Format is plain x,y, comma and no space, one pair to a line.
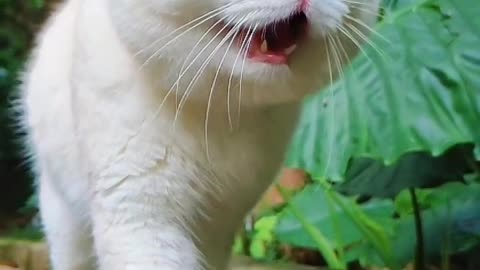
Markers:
264,46
274,43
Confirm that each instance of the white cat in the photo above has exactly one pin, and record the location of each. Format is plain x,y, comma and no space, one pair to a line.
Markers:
155,125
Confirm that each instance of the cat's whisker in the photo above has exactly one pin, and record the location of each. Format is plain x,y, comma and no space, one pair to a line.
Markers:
370,29
202,68
364,7
187,68
337,45
209,14
241,72
329,61
357,3
158,52
332,46
165,98
353,40
230,79
330,70
235,31
159,108
182,69
342,49
336,56
366,39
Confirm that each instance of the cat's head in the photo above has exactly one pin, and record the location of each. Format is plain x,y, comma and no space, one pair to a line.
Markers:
271,50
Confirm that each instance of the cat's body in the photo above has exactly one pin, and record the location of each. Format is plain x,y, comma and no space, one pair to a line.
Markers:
127,180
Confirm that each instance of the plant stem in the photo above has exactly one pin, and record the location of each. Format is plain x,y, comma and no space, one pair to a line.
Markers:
420,248
371,230
320,240
335,223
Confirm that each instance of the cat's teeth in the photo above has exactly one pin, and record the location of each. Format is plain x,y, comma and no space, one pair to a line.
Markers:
264,46
290,49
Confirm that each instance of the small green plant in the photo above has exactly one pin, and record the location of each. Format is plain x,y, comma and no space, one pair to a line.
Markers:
263,243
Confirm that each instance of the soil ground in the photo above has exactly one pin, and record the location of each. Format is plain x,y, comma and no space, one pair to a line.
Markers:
26,255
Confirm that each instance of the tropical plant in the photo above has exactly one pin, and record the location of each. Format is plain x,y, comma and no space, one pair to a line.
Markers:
403,117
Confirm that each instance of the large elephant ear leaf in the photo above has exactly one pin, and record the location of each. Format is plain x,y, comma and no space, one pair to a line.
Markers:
420,91
370,177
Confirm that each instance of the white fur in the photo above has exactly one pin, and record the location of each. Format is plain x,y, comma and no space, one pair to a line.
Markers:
125,180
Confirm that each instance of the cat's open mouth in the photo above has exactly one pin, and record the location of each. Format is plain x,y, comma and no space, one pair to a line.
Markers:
276,42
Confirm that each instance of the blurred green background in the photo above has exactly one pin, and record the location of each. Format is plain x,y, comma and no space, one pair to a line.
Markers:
19,21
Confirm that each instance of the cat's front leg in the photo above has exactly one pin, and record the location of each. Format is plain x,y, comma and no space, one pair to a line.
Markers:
140,223
67,230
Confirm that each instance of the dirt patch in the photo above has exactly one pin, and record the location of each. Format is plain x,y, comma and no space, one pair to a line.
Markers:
26,255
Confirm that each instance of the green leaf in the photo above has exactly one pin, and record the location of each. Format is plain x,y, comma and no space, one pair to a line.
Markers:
38,3
238,247
418,169
313,203
451,225
30,233
423,94
446,226
404,205
262,246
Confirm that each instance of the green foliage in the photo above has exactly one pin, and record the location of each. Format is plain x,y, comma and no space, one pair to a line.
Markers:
314,204
420,94
371,177
451,222
320,240
263,239
341,222
404,115
28,233
19,20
